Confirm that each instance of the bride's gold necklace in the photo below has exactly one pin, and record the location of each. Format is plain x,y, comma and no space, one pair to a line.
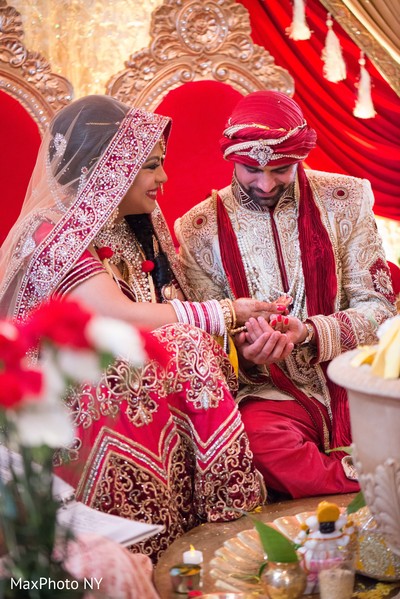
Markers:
129,257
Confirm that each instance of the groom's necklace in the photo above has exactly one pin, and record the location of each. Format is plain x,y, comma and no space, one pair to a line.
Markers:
254,278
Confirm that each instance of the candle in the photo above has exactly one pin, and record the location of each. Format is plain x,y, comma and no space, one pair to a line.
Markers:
192,556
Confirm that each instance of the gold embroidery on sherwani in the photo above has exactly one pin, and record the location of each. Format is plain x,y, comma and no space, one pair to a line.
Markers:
364,290
166,243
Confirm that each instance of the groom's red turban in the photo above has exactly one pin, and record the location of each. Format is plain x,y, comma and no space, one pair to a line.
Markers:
267,127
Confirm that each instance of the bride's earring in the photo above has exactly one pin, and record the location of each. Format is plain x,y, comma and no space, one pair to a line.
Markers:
111,221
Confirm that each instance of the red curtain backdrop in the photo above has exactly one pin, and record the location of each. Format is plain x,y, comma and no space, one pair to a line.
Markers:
194,163
20,140
346,144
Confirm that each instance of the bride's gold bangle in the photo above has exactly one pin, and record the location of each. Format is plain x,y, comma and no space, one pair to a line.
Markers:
229,313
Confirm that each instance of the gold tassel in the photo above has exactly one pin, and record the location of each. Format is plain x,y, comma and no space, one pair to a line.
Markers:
364,108
299,29
334,65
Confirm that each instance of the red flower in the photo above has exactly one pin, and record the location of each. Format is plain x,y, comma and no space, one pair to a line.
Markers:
60,321
10,390
15,385
13,346
104,252
147,265
31,381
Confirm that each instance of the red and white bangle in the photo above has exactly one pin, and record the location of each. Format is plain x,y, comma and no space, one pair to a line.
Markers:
179,310
208,316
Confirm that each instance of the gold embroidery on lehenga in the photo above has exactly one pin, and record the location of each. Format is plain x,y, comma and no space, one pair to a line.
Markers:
82,406
242,487
128,490
170,475
120,383
68,454
197,363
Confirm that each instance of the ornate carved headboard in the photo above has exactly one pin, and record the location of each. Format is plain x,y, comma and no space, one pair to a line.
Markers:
29,96
199,62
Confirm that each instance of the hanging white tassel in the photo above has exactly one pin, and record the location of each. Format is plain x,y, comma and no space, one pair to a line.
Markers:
299,29
364,108
334,66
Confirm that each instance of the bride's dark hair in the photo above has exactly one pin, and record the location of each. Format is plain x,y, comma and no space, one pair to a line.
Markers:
143,229
87,125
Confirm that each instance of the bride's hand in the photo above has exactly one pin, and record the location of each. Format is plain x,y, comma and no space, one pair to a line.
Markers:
279,322
246,308
294,329
284,300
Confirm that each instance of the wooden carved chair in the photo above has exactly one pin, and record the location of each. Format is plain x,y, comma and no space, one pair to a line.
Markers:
199,62
29,96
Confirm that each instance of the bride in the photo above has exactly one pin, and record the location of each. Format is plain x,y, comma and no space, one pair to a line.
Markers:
164,444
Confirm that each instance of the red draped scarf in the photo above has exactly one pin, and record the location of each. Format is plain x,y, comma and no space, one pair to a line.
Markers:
320,287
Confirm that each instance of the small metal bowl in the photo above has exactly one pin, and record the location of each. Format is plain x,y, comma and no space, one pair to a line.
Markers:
185,578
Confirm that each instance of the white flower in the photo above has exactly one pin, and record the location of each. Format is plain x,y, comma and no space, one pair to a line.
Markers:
118,338
39,423
53,381
8,330
45,420
388,324
82,366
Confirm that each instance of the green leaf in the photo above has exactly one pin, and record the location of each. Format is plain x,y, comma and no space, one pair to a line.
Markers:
106,359
357,503
277,546
262,568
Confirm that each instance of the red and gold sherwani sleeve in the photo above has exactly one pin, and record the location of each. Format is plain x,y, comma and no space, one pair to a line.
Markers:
365,295
199,253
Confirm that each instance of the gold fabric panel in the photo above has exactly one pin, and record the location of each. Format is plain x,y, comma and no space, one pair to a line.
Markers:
86,41
382,19
390,233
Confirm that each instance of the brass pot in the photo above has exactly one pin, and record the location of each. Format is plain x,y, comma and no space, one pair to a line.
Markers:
284,580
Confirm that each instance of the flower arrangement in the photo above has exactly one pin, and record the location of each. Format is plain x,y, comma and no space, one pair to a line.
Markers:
60,345
384,358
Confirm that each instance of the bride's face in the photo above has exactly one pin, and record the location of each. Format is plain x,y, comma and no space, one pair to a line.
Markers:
142,195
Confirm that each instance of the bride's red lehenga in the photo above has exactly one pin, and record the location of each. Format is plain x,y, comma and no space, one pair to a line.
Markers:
163,445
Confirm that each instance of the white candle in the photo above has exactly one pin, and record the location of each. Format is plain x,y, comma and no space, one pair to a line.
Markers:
192,556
